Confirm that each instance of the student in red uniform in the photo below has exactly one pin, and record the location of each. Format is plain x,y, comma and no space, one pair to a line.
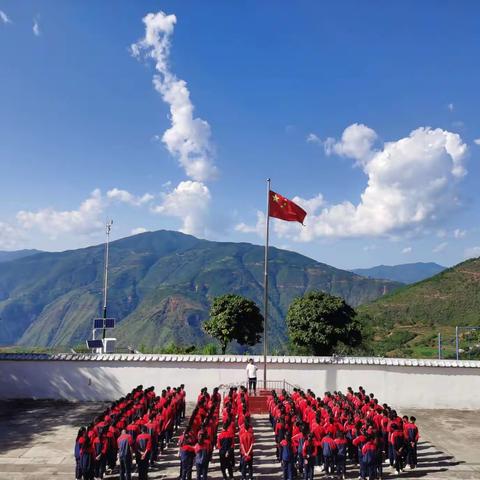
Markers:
410,431
152,429
298,441
100,446
329,449
143,447
87,454
380,453
358,442
369,454
309,454
341,455
280,432
187,454
287,457
318,433
125,446
247,441
225,445
112,434
201,457
183,403
76,451
397,442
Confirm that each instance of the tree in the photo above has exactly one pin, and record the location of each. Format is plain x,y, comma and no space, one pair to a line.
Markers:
318,322
233,317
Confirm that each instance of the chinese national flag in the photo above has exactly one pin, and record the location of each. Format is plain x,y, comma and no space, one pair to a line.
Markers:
284,209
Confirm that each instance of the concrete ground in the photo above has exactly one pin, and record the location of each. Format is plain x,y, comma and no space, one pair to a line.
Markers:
36,443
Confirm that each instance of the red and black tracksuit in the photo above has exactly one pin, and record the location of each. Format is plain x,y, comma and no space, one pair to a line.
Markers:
397,442
100,445
369,454
329,449
287,458
125,445
341,456
309,454
187,454
411,435
247,441
143,449
225,443
202,454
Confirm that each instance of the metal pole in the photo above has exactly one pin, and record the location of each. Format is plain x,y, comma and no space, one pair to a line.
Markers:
108,227
265,286
439,345
456,343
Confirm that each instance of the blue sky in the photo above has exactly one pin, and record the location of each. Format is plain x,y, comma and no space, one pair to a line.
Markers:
365,112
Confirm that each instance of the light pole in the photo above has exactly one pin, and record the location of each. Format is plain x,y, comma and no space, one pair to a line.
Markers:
108,227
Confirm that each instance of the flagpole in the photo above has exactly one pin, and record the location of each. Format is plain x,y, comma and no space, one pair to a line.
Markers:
265,286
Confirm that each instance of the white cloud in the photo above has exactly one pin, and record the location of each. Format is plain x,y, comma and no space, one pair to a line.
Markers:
407,250
190,202
258,228
477,141
4,18
36,28
84,220
472,252
283,229
9,236
313,138
136,231
411,183
369,248
356,142
451,107
188,138
126,197
458,233
440,247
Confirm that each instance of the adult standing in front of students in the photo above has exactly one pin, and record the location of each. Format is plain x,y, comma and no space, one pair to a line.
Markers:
252,377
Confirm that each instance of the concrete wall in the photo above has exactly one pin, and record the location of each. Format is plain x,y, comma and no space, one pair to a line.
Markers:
402,383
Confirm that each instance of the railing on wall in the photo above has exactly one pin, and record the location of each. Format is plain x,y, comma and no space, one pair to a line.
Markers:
277,385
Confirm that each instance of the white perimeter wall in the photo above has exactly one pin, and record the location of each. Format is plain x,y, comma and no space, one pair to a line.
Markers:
83,380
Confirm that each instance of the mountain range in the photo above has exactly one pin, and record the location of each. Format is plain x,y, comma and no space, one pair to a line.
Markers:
405,273
6,256
160,288
407,321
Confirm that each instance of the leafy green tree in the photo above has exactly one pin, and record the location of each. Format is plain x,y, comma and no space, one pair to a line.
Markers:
318,322
233,317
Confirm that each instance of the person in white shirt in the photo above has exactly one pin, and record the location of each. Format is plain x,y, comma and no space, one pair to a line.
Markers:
252,377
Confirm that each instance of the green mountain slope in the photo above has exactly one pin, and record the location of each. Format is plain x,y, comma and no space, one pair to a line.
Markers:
6,256
408,320
161,284
405,273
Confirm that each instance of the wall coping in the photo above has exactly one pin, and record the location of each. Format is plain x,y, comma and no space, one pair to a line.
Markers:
336,360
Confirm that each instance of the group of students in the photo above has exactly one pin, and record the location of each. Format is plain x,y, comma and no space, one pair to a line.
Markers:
138,426
324,432
202,435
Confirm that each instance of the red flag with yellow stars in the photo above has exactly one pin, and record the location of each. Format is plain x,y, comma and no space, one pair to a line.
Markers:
284,209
